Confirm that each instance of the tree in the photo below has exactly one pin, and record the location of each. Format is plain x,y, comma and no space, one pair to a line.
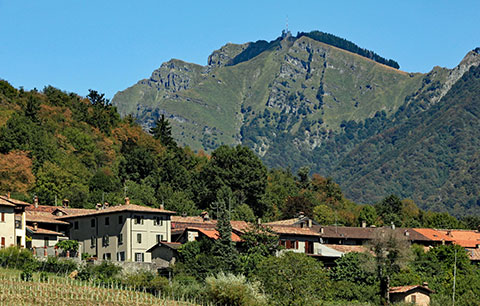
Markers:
16,172
258,243
32,107
390,210
392,251
323,214
368,214
294,279
163,132
224,247
239,169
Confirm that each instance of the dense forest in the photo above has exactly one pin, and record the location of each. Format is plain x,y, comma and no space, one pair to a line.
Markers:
344,44
59,145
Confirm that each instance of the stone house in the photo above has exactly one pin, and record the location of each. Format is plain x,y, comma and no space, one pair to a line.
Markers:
416,294
12,222
120,233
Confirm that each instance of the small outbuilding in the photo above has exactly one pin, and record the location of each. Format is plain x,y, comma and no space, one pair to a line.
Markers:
415,294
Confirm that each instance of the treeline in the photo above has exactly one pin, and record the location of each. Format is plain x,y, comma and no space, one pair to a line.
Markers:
349,46
56,145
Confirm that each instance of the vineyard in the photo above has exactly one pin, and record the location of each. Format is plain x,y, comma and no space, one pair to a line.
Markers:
49,289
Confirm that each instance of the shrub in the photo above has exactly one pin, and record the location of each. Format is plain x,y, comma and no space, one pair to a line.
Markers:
187,287
16,258
229,289
149,282
43,276
59,266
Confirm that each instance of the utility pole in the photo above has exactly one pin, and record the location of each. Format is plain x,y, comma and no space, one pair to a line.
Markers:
454,278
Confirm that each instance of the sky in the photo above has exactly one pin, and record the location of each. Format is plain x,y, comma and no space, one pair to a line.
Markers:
76,45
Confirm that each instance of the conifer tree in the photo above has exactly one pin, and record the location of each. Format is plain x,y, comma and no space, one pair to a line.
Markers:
163,132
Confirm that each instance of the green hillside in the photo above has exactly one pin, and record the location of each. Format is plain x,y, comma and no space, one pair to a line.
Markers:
312,100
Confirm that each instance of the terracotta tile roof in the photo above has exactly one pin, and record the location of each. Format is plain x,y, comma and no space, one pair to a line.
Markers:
464,238
41,208
6,203
473,253
180,223
42,217
113,209
348,248
171,245
291,230
404,289
12,201
43,231
283,222
432,234
213,233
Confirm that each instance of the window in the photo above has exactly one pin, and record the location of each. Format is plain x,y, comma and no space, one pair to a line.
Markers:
75,225
139,257
107,256
18,224
105,240
45,242
3,242
413,299
120,239
139,238
92,223
138,220
3,217
93,241
107,220
159,238
120,219
121,256
158,221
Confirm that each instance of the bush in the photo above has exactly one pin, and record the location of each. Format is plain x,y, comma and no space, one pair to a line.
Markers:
43,276
149,282
229,289
59,266
104,272
188,288
15,258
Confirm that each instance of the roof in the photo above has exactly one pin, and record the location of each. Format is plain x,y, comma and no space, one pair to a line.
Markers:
473,254
43,231
432,234
291,230
180,223
42,217
348,248
114,209
7,201
464,238
405,289
213,233
170,245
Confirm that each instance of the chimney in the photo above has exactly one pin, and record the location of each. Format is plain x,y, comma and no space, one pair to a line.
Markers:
309,222
364,224
205,216
8,195
98,206
35,226
127,201
301,215
35,202
393,225
65,203
259,221
106,204
162,206
321,230
425,284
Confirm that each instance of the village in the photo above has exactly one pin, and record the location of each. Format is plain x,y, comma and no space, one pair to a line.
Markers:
139,237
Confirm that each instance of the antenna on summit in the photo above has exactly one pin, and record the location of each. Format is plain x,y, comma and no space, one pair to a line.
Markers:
286,32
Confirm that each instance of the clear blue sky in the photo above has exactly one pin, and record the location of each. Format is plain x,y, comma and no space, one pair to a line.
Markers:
110,45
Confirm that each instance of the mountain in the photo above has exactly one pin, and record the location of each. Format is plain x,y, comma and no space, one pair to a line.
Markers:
312,100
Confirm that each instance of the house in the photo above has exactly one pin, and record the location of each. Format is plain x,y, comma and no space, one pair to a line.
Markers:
121,233
12,222
44,229
164,254
417,294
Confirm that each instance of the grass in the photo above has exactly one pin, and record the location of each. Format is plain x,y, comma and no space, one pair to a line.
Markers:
60,290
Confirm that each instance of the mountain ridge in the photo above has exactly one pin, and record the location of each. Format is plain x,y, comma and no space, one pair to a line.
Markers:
294,101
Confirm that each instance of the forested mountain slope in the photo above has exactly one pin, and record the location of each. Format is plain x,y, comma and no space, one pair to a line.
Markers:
312,100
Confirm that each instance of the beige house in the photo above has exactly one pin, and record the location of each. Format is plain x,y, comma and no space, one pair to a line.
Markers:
120,233
12,222
416,294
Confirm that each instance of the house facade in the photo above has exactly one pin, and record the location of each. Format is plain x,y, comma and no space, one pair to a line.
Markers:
12,222
120,233
416,295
